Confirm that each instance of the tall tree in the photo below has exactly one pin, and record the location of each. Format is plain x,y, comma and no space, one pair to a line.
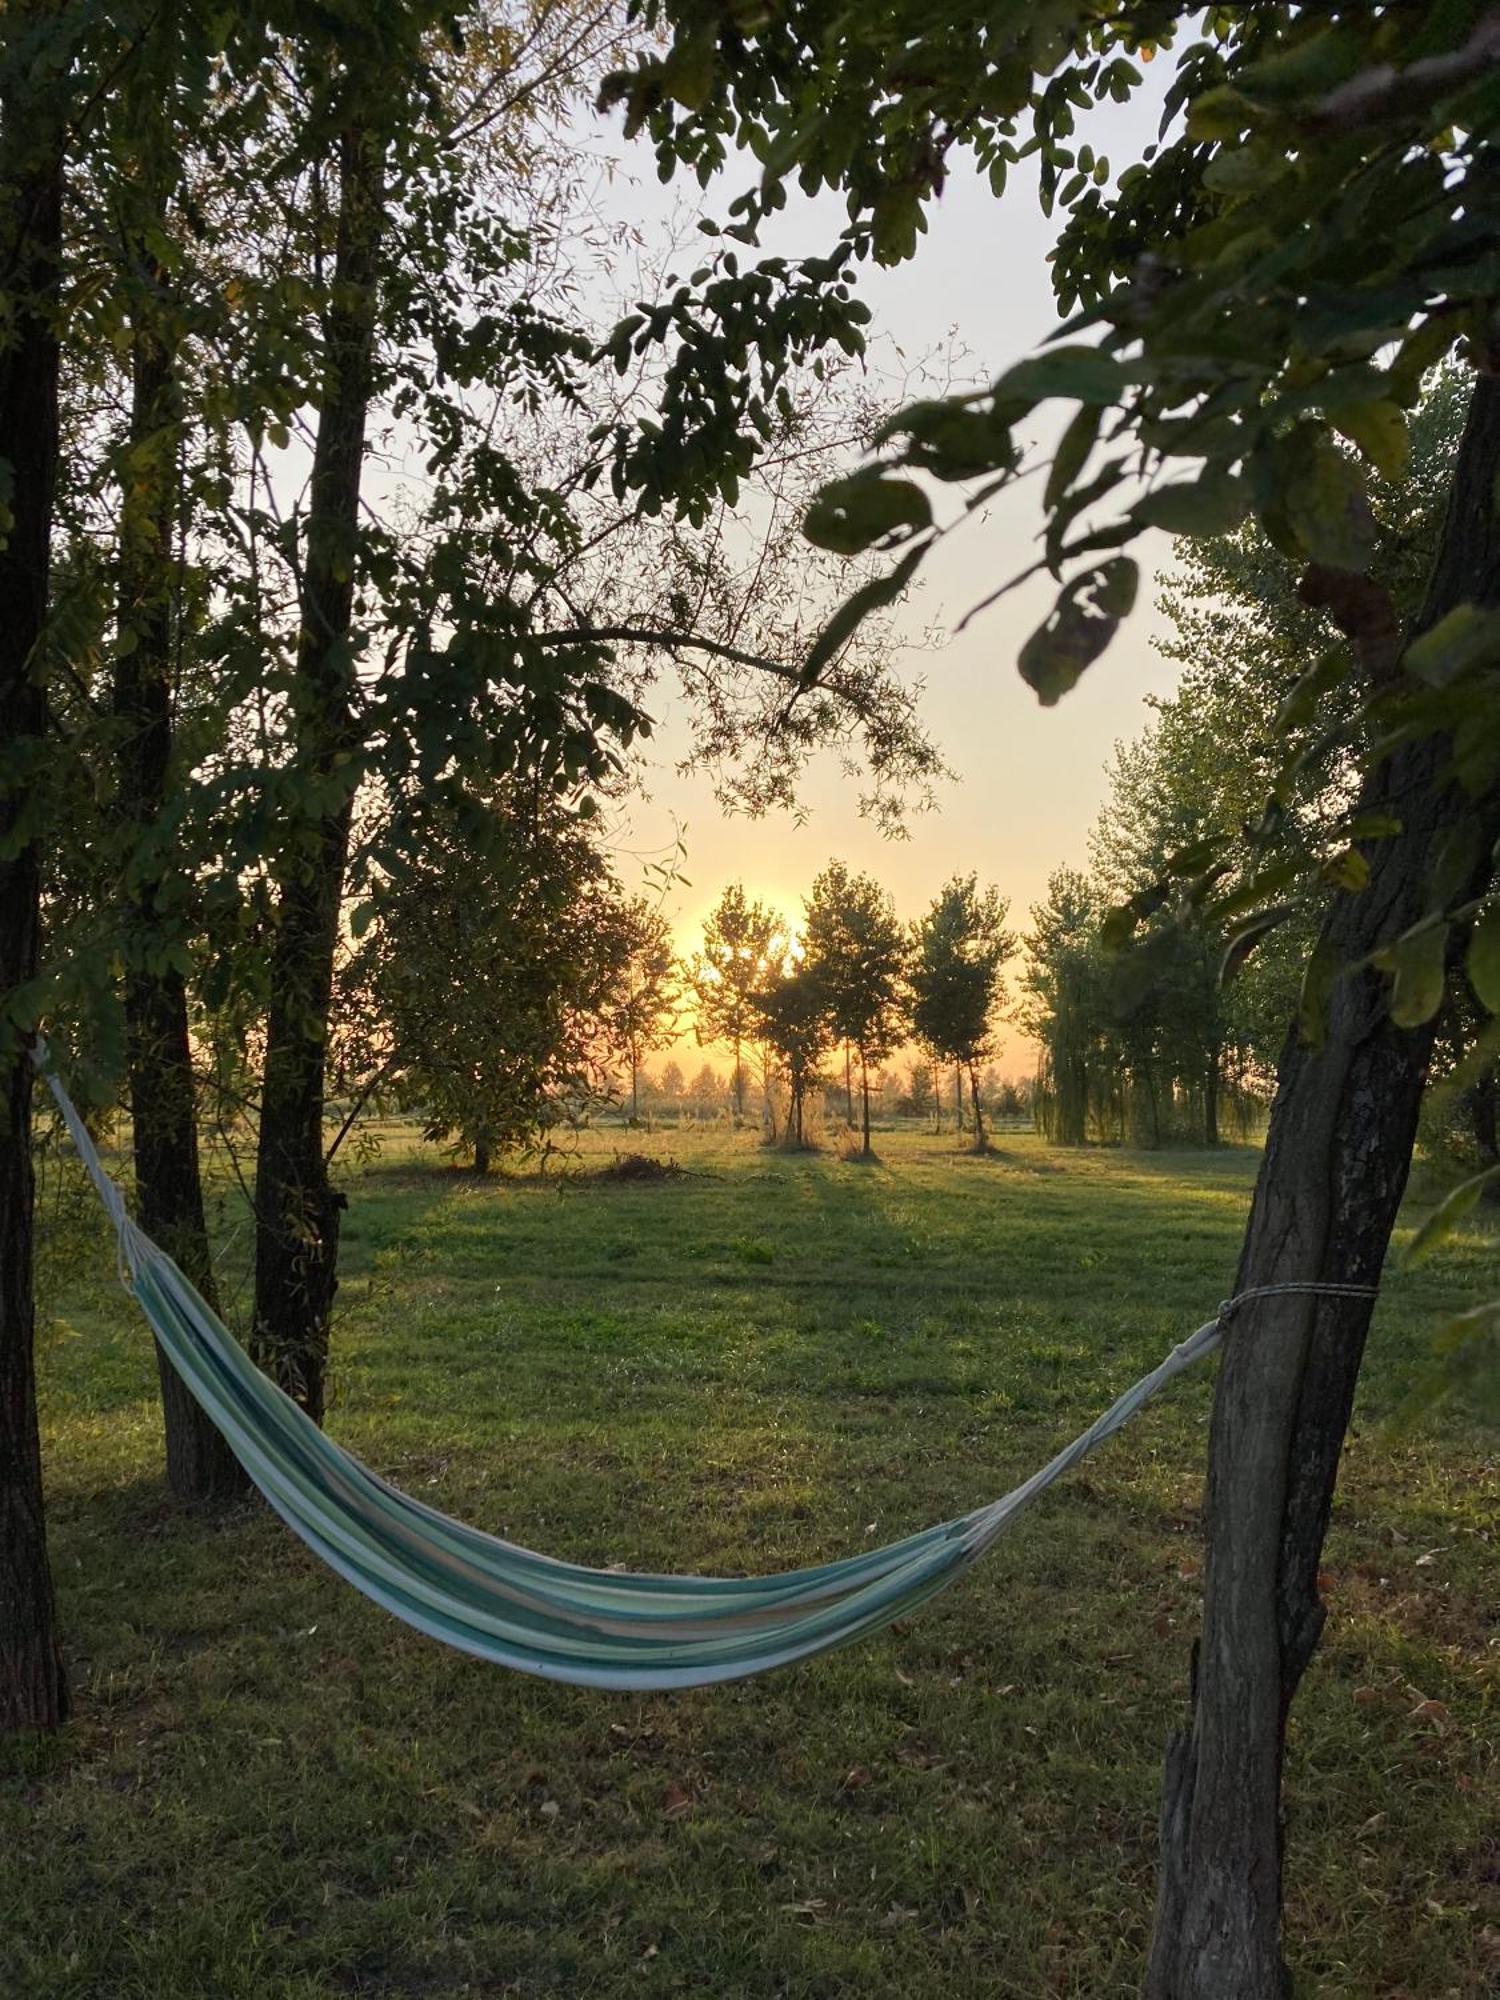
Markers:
296,1206
643,1010
794,1023
37,53
958,955
1278,278
739,941
856,950
147,152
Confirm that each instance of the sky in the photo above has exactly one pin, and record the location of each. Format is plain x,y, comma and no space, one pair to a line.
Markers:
1027,781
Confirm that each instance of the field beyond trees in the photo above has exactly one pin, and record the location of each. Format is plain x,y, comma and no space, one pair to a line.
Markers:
273,1790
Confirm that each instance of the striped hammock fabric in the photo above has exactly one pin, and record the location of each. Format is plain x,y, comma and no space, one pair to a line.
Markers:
591,1627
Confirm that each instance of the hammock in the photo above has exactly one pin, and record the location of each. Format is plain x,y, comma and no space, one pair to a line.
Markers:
563,1621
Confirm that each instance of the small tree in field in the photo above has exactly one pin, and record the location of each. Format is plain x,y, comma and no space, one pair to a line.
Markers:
857,953
643,1011
739,941
489,968
793,1020
959,950
671,1085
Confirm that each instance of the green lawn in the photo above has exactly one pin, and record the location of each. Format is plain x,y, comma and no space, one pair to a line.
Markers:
272,1790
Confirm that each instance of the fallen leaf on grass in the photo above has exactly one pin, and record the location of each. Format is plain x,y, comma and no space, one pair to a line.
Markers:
675,1802
1432,1711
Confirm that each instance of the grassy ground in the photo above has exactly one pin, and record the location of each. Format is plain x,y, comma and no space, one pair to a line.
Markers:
272,1790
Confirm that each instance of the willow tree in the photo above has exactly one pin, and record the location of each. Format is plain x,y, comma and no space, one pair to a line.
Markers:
1253,310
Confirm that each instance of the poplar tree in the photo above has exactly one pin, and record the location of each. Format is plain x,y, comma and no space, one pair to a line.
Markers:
856,954
956,972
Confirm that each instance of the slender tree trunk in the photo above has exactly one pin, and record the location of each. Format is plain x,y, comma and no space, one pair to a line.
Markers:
33,1689
482,1154
739,1082
980,1141
1484,1117
864,1092
169,1191
1335,1167
848,1086
1211,1086
297,1208
958,1096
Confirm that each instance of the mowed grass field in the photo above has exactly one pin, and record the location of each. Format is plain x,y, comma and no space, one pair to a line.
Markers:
271,1789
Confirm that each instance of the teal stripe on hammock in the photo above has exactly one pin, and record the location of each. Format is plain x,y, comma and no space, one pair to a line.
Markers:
487,1596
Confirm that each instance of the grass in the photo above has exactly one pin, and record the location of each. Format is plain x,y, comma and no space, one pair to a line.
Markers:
272,1790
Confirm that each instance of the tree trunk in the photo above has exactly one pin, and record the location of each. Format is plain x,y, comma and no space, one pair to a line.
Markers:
739,1083
1331,1182
33,1689
1211,1098
297,1208
864,1093
169,1192
979,1139
482,1154
848,1086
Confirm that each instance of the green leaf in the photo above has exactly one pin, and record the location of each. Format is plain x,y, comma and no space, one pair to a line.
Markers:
1464,642
1083,374
853,514
1418,963
1325,502
1380,432
1246,935
1449,1212
1324,968
1072,453
1484,959
1084,620
1348,870
872,596
1213,504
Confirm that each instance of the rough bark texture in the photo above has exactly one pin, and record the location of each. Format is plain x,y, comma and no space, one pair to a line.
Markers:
33,1690
297,1208
1334,1171
201,1468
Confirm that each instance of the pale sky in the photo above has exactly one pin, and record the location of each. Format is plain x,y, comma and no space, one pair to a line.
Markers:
1028,780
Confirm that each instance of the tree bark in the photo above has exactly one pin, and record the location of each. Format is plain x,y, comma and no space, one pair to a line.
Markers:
297,1207
1331,1181
1211,1098
201,1468
33,1688
980,1141
864,1095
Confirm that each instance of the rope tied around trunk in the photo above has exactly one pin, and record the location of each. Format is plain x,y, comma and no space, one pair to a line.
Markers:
1317,1287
